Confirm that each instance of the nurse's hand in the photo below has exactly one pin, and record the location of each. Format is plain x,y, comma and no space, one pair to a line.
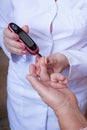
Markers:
46,72
58,61
55,63
11,41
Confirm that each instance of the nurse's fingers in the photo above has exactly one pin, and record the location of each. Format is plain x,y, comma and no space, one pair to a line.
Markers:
14,46
11,35
12,42
44,76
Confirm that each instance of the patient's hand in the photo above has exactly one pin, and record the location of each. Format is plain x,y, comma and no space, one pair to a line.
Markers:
47,75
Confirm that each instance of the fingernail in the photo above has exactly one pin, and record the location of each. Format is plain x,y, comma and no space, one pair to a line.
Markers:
22,45
16,37
46,60
24,51
36,59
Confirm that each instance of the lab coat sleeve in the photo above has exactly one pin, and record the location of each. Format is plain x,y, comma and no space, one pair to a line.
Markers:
5,18
78,62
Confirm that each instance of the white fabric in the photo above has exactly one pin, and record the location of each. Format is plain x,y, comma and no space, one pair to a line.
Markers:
84,128
69,36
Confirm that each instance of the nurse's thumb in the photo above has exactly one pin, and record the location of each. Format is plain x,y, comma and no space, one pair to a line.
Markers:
26,28
50,60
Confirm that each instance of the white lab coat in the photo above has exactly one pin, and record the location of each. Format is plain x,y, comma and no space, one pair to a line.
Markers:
68,18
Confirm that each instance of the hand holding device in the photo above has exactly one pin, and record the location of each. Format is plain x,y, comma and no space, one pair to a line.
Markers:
25,38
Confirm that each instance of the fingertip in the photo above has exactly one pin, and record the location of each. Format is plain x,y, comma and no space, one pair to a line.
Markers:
66,81
50,59
37,58
15,36
32,69
62,77
43,61
26,28
24,52
28,77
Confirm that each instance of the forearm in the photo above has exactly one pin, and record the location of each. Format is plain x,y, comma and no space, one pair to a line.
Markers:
71,119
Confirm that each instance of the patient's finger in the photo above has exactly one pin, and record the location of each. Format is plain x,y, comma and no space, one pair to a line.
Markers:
44,76
32,69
